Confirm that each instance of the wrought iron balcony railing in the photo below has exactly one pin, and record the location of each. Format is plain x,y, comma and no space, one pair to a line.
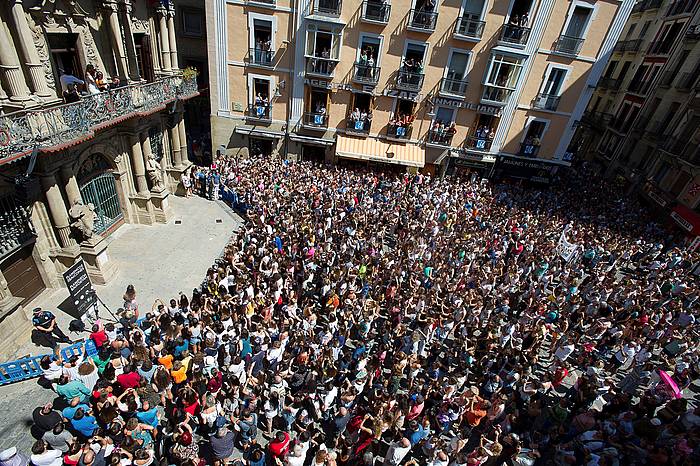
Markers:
569,45
262,112
365,74
320,66
634,45
454,86
529,149
546,102
359,126
468,27
44,128
15,225
479,143
440,137
317,120
423,20
596,119
376,11
399,132
496,94
327,7
261,57
514,35
646,5
409,80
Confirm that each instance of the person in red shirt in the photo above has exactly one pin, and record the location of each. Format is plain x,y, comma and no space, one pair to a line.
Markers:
280,445
98,335
129,379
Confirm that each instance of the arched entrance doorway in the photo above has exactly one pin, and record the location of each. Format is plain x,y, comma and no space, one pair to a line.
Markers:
98,186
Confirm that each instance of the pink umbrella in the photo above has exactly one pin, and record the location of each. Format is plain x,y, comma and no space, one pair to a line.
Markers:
673,386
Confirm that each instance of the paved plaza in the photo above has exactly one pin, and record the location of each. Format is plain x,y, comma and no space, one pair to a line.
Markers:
153,259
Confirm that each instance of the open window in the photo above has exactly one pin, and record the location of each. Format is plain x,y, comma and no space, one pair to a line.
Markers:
548,98
261,40
401,121
260,97
516,31
316,115
443,127
666,38
64,53
424,15
322,48
483,132
367,62
410,76
571,40
502,78
360,113
144,58
533,138
455,80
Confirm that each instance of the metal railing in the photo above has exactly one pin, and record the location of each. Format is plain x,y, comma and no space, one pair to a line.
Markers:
423,20
365,74
44,128
529,150
358,126
260,112
496,94
376,11
546,102
479,143
30,367
316,120
569,45
258,56
512,34
634,45
409,80
440,137
454,86
597,119
469,27
398,132
320,66
15,225
327,7
646,5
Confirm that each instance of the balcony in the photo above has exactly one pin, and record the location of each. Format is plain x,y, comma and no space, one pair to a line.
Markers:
409,80
569,45
260,57
260,112
479,143
330,8
680,7
359,126
365,74
320,66
610,83
398,133
546,102
440,136
597,119
495,95
514,35
646,5
469,28
71,123
529,149
457,87
422,20
634,45
316,120
375,12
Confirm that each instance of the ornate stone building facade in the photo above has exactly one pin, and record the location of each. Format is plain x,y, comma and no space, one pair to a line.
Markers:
74,166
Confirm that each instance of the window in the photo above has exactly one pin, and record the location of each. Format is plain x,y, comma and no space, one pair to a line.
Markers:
553,83
410,76
369,47
402,119
623,71
682,180
578,23
366,67
638,78
630,119
644,30
260,97
424,15
661,172
622,115
666,39
64,54
360,112
322,48
261,39
192,22
473,9
611,69
442,128
483,132
630,31
520,13
533,138
649,79
455,80
502,77
144,59
317,108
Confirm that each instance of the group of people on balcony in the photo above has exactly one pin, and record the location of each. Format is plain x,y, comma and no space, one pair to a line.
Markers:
366,65
483,136
442,132
400,123
517,25
424,14
530,146
263,51
318,117
411,71
361,120
73,87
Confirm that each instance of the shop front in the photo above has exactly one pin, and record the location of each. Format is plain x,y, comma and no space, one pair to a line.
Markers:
535,171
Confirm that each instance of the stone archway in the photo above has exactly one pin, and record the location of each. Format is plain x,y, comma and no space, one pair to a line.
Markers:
98,187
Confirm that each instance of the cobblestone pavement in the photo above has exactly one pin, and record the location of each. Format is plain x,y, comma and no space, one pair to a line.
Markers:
159,260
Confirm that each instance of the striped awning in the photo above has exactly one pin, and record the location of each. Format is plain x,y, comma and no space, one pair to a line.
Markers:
377,150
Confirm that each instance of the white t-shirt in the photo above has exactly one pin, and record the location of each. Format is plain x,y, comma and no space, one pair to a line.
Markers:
48,458
396,454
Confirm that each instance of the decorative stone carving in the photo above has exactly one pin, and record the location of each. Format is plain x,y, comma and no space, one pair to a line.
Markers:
153,170
90,47
83,220
140,25
42,49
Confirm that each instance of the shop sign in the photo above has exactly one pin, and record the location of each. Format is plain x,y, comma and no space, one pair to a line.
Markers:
319,83
525,169
404,95
454,103
658,199
686,225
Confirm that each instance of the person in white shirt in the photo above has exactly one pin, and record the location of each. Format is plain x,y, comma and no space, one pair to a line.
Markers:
43,456
397,452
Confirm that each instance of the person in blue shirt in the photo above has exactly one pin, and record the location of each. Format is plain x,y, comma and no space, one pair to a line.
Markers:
415,432
148,415
85,424
180,346
75,405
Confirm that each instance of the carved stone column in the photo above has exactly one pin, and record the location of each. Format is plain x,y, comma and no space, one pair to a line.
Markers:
138,165
175,143
115,33
171,38
70,185
184,150
166,63
29,51
134,72
10,69
57,208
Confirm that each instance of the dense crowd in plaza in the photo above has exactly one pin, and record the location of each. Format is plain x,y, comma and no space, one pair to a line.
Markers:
361,318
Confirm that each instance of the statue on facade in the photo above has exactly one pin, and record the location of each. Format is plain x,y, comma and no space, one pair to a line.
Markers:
153,171
83,220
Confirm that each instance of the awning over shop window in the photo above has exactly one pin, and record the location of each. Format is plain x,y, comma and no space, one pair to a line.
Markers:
687,219
376,150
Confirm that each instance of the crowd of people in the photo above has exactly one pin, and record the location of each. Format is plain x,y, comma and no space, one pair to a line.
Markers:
363,318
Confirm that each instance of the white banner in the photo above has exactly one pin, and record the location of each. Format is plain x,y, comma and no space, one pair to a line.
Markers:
566,249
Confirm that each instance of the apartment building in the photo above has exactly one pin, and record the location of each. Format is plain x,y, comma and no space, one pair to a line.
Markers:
497,87
91,137
643,123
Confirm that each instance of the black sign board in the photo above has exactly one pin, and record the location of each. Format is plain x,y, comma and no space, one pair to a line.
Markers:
80,287
531,170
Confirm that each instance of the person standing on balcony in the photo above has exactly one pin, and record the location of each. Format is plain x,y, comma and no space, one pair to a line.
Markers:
67,78
90,79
